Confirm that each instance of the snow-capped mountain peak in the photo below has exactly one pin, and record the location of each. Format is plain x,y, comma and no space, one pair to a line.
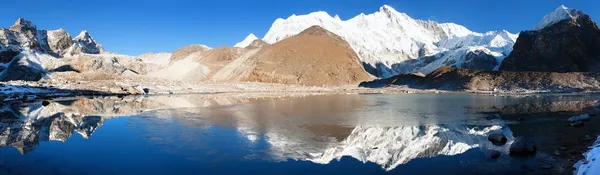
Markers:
85,43
387,9
83,35
337,17
249,39
24,23
559,14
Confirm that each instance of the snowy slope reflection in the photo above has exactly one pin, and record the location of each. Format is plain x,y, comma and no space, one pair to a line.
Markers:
393,146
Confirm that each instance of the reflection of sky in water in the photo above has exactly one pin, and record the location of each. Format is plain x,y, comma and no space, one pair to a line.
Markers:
387,132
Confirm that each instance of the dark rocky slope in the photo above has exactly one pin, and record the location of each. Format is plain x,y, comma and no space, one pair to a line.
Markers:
454,79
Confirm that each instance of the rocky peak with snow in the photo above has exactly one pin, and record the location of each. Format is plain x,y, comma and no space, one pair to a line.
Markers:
566,40
22,25
249,39
389,11
390,42
23,35
85,43
559,14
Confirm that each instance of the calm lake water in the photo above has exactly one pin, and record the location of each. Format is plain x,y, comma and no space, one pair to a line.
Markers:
327,134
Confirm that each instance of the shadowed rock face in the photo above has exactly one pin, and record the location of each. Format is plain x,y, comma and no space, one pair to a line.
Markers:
568,46
22,69
7,54
479,60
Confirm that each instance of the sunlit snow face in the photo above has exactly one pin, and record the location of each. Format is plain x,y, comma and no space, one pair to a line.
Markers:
394,40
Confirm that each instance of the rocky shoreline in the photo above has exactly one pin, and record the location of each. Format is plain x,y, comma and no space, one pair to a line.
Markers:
29,90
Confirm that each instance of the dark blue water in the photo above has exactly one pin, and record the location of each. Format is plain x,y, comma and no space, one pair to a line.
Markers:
342,134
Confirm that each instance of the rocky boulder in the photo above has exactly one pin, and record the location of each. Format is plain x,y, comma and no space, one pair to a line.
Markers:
583,117
497,139
523,146
493,154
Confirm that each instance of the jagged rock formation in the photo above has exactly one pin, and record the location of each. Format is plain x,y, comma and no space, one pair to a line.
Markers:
454,79
24,50
84,43
567,40
23,35
55,42
26,33
314,57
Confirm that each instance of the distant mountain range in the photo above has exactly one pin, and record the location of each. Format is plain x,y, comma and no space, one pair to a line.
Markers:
390,42
384,43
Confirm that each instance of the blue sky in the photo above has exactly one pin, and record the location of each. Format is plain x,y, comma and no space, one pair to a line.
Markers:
139,26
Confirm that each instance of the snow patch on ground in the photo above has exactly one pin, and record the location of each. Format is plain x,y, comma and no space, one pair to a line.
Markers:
591,164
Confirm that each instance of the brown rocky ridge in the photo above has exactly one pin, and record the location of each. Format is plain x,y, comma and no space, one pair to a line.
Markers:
257,44
183,52
314,57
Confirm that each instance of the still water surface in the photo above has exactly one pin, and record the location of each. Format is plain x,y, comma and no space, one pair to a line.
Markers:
329,134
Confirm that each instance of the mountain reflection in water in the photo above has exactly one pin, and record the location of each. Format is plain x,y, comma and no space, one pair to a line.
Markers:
388,130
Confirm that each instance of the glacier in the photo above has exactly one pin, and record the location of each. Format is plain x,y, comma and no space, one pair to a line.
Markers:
394,43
